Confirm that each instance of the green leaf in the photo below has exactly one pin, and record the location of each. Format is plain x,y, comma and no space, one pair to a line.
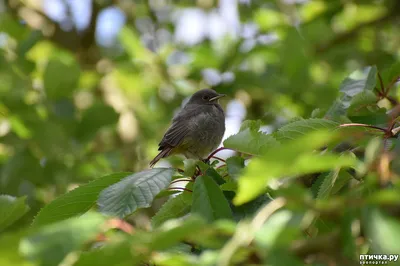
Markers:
363,103
289,159
356,83
235,165
94,118
209,201
116,253
383,232
190,166
390,74
134,191
77,201
277,230
211,172
250,208
301,127
229,186
253,125
328,182
250,142
174,231
60,79
11,209
51,243
175,207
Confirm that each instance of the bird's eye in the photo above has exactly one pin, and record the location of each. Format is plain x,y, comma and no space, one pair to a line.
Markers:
206,97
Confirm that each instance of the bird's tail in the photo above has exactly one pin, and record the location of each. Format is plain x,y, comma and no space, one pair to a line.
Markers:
164,153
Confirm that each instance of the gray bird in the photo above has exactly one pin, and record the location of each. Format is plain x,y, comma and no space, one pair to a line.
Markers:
196,130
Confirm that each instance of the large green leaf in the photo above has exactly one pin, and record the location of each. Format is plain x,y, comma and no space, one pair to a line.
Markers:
175,207
77,201
209,201
11,209
61,78
250,142
356,83
295,157
51,243
135,191
301,127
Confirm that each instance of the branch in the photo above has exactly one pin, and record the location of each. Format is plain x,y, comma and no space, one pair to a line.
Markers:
81,43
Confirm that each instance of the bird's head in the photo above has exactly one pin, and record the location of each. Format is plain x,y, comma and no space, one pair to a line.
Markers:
205,96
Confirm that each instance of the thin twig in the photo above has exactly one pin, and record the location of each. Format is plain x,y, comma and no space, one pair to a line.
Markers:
223,165
396,79
180,170
215,152
181,180
180,188
121,225
219,159
383,93
362,125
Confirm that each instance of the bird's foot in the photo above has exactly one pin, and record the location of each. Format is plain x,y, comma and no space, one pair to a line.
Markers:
206,160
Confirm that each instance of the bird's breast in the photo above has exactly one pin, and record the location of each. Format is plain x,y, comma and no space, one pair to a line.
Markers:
206,130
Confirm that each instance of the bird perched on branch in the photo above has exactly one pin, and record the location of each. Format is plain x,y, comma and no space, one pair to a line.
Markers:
197,129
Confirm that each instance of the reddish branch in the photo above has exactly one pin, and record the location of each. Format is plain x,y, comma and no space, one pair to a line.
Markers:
180,188
121,225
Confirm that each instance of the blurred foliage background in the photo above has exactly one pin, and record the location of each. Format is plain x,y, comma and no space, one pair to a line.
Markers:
89,86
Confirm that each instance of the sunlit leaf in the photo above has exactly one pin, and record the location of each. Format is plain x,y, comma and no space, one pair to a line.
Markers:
289,159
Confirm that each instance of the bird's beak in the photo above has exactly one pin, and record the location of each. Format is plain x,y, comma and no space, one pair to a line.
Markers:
217,97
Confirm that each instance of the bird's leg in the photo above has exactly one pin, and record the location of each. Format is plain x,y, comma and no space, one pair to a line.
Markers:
196,173
206,160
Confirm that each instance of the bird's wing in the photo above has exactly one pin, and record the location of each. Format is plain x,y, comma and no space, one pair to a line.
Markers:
179,128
